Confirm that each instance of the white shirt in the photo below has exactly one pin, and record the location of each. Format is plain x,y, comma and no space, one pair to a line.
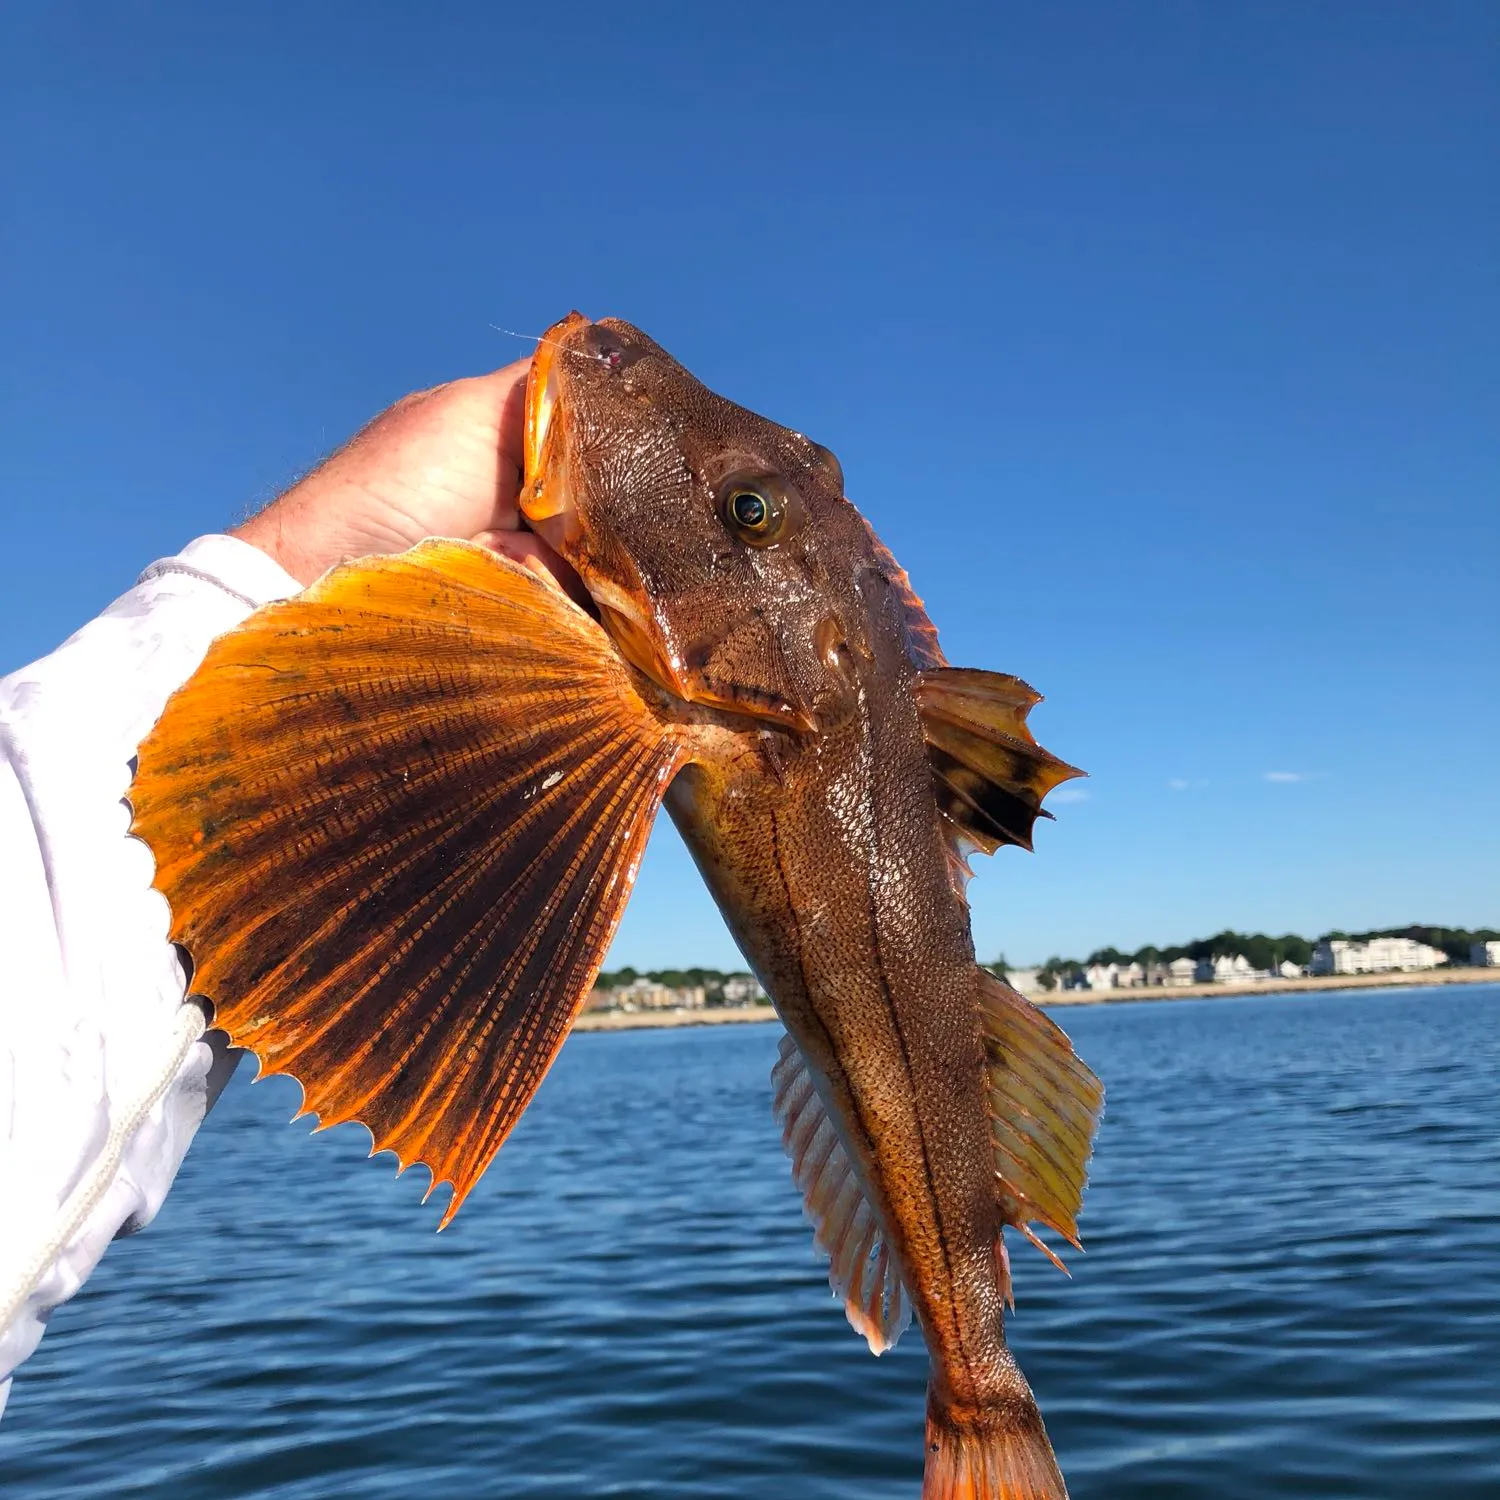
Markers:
90,989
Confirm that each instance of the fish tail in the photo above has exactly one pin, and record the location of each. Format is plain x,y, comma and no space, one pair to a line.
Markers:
998,1453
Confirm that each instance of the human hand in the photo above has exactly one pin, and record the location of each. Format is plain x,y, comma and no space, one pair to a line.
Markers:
444,462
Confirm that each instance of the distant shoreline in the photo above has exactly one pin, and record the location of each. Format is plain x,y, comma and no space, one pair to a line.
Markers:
1408,979
644,1020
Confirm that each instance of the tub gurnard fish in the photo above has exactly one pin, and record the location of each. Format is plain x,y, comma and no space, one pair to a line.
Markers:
397,819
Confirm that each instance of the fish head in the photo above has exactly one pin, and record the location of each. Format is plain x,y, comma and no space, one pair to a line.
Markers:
712,541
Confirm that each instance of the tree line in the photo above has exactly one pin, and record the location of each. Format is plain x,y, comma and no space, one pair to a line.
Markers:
1260,949
712,980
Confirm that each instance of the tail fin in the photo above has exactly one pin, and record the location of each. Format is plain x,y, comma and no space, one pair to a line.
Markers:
999,1454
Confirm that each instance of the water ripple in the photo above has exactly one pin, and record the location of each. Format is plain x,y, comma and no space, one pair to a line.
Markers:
1293,1264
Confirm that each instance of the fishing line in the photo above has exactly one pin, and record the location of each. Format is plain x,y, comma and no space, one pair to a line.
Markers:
537,338
85,1197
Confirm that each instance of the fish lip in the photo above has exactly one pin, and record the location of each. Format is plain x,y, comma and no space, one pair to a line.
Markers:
543,397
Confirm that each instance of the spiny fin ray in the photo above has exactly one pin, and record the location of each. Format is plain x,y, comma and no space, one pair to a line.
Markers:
397,819
1044,1106
990,773
863,1272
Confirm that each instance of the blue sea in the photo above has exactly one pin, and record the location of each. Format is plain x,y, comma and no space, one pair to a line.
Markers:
1291,1288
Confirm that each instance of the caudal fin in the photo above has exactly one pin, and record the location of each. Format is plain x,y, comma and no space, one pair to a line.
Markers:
999,1454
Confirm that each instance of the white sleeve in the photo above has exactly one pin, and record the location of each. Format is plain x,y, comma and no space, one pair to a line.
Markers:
90,989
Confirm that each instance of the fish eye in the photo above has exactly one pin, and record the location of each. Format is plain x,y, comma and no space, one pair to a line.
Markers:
760,508
754,509
749,510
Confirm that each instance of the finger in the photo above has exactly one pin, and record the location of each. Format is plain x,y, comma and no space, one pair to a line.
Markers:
502,396
512,432
528,549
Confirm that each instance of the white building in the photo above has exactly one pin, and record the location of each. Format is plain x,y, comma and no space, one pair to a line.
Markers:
647,994
1286,969
1114,976
1485,955
1028,981
743,989
1179,973
1384,955
1228,968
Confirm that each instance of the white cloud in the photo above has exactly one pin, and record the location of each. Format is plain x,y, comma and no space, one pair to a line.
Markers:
1178,784
1065,794
1286,776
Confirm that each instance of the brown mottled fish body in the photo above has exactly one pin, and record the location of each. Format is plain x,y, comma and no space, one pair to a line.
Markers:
398,817
840,891
841,897
821,833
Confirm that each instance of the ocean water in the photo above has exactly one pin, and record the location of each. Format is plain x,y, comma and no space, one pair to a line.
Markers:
1291,1288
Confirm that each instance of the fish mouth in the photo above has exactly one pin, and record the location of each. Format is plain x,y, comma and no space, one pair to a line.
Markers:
550,508
543,391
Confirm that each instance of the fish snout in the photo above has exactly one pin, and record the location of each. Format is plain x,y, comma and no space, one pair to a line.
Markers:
615,351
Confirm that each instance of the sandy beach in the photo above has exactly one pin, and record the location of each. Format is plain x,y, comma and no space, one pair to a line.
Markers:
638,1020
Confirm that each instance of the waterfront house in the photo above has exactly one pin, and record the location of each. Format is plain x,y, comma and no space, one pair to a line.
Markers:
1027,981
1485,955
743,989
1385,955
1114,976
1228,968
1180,973
647,994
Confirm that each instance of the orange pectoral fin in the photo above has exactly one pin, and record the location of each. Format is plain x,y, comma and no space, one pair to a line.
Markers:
397,819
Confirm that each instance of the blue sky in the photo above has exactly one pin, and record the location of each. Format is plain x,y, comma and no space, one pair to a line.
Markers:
1158,341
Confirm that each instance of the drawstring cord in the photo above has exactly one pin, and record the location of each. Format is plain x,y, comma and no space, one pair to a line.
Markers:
84,1198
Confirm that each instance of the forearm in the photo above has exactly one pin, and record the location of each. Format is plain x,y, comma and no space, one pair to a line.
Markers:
90,988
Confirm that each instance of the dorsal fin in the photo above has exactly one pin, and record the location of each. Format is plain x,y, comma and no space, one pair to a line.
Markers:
991,774
921,634
1045,1106
861,1267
